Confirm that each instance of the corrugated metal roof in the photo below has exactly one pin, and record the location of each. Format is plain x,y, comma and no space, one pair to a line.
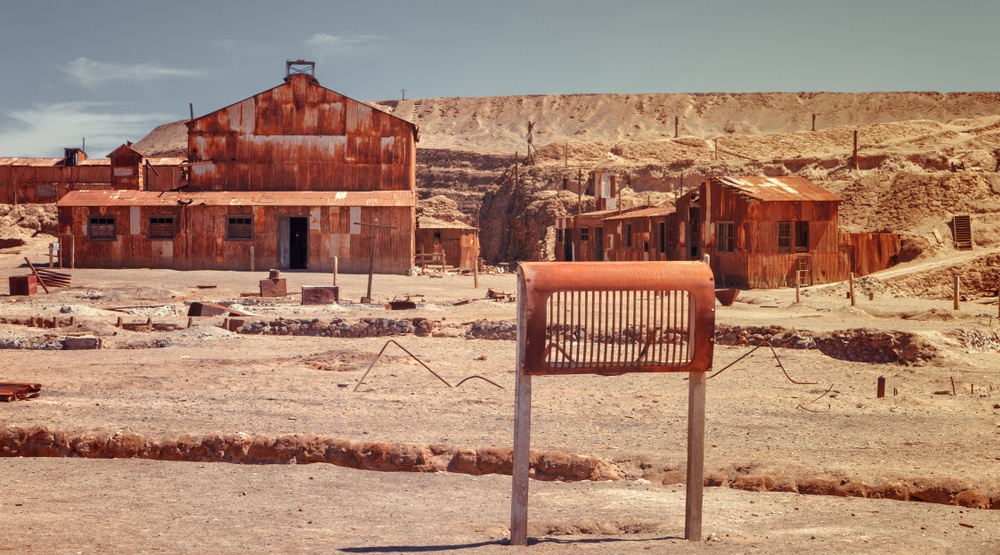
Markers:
784,188
426,222
50,162
238,198
651,212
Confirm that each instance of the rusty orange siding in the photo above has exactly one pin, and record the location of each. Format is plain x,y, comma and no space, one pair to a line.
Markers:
301,136
200,222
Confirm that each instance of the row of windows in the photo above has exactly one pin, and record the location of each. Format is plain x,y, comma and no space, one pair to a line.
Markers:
103,228
725,236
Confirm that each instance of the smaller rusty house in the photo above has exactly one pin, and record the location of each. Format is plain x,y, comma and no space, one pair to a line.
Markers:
760,231
641,235
581,237
236,230
46,180
457,242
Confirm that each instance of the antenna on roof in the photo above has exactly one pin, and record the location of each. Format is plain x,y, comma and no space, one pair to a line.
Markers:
84,146
191,110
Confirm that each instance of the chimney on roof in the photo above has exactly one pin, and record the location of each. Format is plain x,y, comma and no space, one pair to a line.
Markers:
300,67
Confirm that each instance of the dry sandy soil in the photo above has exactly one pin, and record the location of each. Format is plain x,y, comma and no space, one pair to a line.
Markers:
833,456
234,442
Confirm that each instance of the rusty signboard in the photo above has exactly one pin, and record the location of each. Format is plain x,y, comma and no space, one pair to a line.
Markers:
610,318
618,317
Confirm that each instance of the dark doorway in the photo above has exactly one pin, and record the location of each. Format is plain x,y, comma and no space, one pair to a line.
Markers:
568,245
694,233
598,243
298,243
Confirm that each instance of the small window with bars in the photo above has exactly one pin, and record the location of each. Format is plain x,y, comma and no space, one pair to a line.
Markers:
725,237
101,228
239,228
161,228
627,239
584,233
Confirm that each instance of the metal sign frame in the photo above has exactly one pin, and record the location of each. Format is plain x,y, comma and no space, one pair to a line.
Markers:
611,318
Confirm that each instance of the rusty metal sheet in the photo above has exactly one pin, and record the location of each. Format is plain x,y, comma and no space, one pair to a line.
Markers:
783,188
616,317
651,212
237,198
14,391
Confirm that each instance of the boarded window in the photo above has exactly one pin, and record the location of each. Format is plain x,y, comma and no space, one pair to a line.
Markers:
559,236
101,228
584,233
161,227
801,236
239,228
725,237
784,236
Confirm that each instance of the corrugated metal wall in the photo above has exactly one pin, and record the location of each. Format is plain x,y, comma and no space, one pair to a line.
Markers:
36,184
300,136
201,244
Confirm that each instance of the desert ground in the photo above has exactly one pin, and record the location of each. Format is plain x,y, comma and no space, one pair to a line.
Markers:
202,440
261,436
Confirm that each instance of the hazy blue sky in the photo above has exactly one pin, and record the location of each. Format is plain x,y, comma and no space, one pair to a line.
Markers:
112,70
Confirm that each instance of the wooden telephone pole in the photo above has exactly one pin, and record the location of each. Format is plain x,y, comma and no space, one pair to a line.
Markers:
367,299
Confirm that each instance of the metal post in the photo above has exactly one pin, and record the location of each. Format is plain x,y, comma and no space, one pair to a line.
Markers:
336,263
51,257
695,456
72,252
475,273
677,121
850,285
798,282
522,433
957,286
252,261
855,149
814,121
371,265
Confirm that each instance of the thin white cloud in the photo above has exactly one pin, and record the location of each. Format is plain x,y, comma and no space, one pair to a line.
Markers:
322,44
89,73
45,129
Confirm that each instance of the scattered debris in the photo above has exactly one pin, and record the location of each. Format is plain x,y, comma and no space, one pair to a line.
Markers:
201,308
14,391
428,368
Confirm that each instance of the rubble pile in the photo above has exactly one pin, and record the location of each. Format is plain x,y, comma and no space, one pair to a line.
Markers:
857,345
367,327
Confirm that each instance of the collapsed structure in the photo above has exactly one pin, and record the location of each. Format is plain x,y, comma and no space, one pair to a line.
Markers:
758,232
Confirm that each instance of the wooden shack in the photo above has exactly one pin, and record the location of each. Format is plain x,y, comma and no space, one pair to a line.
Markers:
237,230
644,234
759,232
457,242
581,237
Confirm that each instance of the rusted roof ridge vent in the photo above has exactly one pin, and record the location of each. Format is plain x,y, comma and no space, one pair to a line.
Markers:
300,67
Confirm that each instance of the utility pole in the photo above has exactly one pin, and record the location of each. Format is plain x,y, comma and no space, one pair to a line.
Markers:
371,263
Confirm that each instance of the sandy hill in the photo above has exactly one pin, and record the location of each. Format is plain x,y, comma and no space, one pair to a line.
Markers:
922,157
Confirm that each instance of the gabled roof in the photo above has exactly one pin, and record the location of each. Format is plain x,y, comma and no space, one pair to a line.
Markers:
650,212
51,162
784,188
238,198
125,149
427,222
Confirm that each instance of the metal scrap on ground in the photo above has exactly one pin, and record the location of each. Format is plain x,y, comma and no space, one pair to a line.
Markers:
428,368
14,391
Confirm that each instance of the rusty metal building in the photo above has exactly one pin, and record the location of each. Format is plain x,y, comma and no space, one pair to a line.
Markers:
237,230
457,242
294,173
300,136
645,234
46,180
760,231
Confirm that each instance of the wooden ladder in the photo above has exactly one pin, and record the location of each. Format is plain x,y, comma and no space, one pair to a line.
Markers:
963,232
804,269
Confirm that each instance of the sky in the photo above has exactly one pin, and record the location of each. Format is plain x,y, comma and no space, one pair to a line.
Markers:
107,71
